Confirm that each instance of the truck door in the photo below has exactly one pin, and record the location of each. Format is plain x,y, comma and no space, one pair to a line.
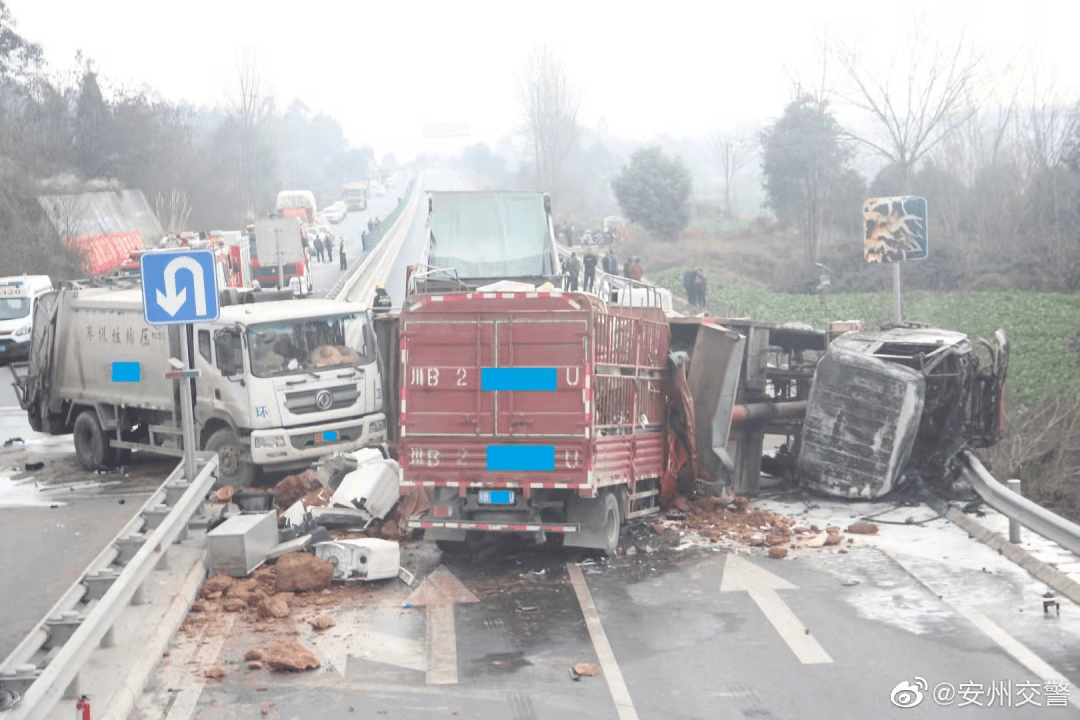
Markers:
440,374
564,409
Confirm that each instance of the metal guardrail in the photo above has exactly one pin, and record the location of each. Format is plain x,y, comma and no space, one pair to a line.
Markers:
46,664
345,282
1032,516
361,285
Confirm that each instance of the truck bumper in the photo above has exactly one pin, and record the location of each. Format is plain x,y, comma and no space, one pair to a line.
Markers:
307,443
493,526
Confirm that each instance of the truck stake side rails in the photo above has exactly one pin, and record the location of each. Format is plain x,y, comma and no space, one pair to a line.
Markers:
281,382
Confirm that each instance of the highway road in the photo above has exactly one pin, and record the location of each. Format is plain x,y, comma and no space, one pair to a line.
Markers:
678,627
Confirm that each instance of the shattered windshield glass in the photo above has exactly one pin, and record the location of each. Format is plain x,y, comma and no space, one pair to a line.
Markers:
309,345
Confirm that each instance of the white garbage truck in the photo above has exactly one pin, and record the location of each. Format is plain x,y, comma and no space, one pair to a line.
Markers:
281,382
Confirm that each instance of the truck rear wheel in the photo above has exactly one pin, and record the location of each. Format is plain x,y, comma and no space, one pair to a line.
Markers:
612,523
233,468
91,447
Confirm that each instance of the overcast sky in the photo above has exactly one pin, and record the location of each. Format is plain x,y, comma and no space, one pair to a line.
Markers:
384,69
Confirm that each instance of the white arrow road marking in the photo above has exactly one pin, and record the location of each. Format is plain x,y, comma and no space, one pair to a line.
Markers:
616,685
439,592
171,301
337,647
740,574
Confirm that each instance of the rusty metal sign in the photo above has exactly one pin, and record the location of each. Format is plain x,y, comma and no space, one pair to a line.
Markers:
895,229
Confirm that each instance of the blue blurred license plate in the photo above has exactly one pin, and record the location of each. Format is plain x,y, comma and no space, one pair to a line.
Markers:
496,497
3,348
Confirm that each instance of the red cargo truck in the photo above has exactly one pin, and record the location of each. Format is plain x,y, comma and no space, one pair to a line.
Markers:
534,412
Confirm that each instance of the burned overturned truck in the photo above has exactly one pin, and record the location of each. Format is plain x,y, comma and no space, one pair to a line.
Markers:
891,407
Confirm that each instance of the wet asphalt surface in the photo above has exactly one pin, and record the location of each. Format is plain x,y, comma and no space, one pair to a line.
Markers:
683,648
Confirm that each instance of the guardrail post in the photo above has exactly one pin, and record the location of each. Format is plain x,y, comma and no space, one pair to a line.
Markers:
19,678
127,546
1014,525
98,583
175,491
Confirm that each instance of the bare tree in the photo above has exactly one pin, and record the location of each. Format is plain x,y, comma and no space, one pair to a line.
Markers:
173,211
549,108
936,96
730,153
251,106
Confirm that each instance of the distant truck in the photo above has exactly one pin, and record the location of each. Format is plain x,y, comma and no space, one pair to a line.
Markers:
355,196
18,298
281,383
476,238
296,203
279,256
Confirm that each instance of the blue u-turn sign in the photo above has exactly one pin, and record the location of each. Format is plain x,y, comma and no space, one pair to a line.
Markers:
179,286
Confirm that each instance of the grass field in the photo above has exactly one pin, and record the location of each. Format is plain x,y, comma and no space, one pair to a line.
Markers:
1039,326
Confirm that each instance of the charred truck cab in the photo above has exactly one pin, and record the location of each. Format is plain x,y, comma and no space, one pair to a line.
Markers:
888,407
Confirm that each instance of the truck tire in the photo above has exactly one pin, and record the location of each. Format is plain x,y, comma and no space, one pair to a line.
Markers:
91,446
233,469
611,523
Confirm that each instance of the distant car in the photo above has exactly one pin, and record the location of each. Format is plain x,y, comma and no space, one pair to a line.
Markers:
335,213
379,190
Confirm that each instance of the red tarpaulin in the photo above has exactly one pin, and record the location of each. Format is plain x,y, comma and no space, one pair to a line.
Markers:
103,253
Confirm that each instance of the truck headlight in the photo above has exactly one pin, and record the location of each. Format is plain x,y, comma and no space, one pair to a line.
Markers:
377,426
24,330
269,441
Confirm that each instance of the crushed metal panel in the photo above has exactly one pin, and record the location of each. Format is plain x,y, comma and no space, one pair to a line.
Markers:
861,422
362,558
372,488
715,367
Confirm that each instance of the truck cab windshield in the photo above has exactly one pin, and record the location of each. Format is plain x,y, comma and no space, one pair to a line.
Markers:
13,308
310,345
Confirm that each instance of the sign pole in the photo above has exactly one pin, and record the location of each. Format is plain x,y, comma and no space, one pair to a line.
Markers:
186,411
898,292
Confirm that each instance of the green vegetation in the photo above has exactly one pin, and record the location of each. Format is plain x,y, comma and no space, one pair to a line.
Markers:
1039,325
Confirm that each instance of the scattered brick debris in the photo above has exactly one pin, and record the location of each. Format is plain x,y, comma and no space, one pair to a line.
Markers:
778,552
862,528
214,672
291,657
587,669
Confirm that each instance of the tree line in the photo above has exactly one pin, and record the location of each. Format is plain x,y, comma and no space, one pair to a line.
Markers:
201,168
1001,178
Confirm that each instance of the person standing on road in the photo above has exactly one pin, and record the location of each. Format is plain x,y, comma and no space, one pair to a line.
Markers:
318,248
701,287
573,268
634,269
688,279
344,263
589,262
328,245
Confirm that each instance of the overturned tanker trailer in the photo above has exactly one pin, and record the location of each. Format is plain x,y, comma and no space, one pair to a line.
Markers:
892,406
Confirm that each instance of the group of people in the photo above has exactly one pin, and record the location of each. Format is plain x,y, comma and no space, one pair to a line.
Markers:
573,267
697,287
324,248
567,233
